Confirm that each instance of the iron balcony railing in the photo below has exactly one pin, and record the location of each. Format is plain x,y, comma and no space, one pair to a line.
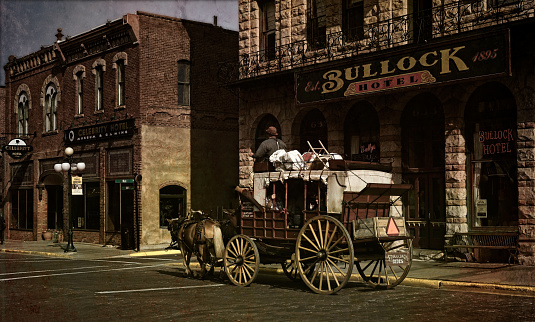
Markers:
419,27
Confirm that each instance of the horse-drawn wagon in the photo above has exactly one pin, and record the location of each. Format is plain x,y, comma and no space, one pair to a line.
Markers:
319,224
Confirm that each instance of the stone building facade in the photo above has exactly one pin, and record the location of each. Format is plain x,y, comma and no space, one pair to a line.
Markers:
441,91
138,101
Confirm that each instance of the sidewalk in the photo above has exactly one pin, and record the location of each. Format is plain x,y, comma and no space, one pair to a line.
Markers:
424,272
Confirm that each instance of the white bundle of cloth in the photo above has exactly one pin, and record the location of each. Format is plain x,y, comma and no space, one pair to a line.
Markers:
291,160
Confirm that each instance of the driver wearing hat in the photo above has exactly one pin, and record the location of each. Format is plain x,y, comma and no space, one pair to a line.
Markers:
270,145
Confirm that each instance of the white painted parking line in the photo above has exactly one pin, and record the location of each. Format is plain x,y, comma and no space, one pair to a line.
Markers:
50,270
75,273
158,289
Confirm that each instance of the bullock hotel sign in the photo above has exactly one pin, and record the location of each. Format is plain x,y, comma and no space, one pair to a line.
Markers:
443,62
100,131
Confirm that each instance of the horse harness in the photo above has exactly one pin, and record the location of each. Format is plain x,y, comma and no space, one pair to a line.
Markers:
196,237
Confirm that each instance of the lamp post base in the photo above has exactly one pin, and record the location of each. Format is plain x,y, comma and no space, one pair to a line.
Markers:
70,246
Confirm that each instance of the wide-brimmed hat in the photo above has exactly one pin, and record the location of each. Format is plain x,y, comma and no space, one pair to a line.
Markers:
272,131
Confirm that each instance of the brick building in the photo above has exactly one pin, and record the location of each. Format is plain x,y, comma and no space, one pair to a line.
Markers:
441,91
138,101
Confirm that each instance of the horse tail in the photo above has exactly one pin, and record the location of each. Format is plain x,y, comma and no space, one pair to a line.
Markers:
219,245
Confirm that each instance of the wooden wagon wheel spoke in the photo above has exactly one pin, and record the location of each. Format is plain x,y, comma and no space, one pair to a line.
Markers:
337,268
384,272
241,260
308,249
331,244
339,259
311,243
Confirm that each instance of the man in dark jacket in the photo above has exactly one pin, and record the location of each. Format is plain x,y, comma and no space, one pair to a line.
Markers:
270,145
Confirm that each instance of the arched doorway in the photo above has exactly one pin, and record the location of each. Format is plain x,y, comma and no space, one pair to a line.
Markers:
423,163
313,129
266,121
491,142
361,133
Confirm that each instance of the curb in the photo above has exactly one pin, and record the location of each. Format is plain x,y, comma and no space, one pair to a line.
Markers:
32,252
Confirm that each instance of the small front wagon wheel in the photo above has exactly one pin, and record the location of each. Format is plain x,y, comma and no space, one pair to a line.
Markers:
390,268
241,260
324,255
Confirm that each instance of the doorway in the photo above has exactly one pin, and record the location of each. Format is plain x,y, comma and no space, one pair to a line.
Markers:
121,212
424,167
54,207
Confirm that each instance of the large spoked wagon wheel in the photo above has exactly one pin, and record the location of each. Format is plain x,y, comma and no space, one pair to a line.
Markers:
324,255
389,270
241,260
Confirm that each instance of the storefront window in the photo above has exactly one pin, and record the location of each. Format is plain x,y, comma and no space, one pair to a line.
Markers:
22,209
491,128
86,208
361,134
172,203
313,130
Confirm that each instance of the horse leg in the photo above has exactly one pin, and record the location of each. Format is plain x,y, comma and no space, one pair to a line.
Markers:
202,260
186,256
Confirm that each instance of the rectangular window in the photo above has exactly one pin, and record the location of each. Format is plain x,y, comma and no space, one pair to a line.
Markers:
316,24
120,83
353,20
22,209
79,96
268,29
183,83
99,89
86,208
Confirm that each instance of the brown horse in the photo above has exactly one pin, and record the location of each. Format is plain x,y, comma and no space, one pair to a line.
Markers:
200,237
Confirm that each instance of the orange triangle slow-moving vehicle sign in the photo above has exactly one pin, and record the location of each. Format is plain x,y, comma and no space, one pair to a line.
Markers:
391,228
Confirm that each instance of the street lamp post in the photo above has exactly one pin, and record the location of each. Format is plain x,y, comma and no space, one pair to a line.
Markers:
68,165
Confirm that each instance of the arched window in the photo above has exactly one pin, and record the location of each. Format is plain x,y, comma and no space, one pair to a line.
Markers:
313,130
23,114
79,93
120,82
265,122
172,203
51,105
491,140
99,88
361,134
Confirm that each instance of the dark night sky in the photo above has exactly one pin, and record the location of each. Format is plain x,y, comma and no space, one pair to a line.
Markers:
26,25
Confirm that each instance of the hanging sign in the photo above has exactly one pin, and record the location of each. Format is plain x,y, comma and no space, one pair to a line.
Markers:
17,148
442,62
77,186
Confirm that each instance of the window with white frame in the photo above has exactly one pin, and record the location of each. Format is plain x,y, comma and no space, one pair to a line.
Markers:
22,113
99,88
184,83
120,82
51,105
79,93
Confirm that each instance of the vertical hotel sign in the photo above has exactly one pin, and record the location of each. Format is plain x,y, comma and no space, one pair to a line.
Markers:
485,55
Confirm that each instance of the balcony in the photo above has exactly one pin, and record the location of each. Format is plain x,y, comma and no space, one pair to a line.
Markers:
417,28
